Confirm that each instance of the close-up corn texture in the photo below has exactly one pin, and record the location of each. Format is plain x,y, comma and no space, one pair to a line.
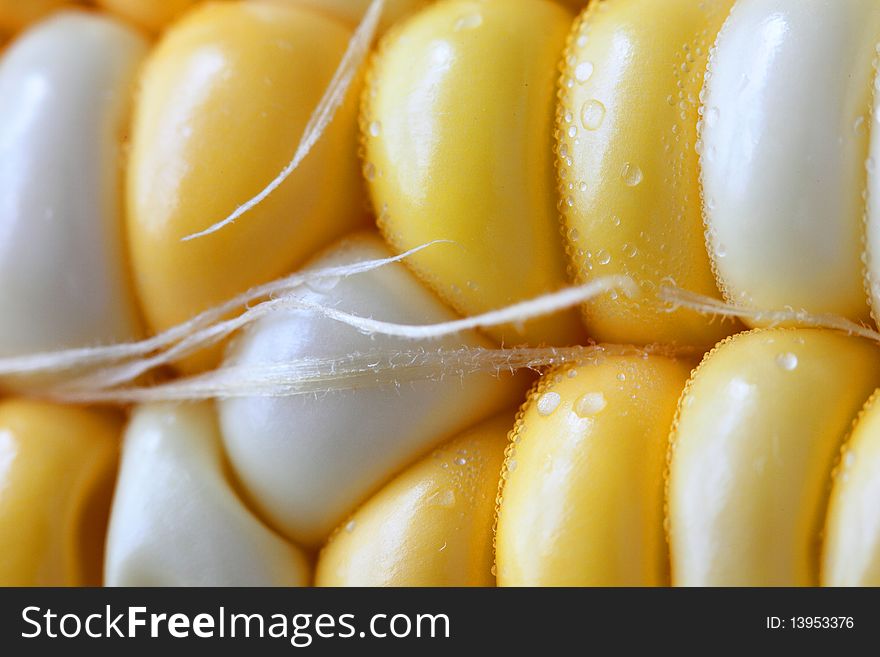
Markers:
454,293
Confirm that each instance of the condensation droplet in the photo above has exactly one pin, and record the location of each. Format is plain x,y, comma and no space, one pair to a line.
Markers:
603,257
592,115
350,525
787,361
469,22
369,171
375,129
590,404
511,465
445,498
859,125
631,174
583,72
548,403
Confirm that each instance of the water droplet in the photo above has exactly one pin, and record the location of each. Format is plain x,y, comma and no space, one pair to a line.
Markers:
369,171
572,131
582,186
603,257
590,404
630,250
631,175
621,377
445,498
469,22
583,72
511,465
375,129
472,286
859,125
787,361
460,461
548,403
350,525
592,114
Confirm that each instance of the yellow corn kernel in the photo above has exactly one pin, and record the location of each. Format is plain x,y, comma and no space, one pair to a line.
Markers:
152,15
851,554
56,478
225,98
431,526
457,127
628,165
759,428
583,480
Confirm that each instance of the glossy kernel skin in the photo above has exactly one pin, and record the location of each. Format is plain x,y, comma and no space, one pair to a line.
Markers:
759,429
307,462
57,466
785,146
457,123
628,166
66,88
431,526
851,551
583,483
176,517
152,15
224,100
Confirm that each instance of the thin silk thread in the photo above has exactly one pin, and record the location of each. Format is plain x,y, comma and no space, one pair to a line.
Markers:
333,97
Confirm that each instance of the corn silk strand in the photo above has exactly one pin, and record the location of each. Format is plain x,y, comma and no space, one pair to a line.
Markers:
679,298
334,96
105,374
